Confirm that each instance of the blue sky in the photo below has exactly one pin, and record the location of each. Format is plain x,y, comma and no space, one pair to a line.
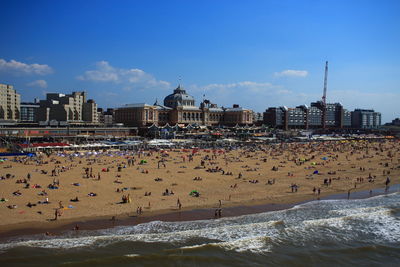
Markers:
254,53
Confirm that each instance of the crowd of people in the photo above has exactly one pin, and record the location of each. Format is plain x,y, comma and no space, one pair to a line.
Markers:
238,174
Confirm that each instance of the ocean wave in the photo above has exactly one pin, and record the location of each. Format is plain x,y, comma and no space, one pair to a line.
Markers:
221,233
260,244
371,220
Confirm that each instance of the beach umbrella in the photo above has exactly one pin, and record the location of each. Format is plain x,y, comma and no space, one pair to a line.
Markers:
324,158
315,172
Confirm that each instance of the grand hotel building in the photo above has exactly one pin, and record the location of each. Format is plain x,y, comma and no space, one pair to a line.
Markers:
180,108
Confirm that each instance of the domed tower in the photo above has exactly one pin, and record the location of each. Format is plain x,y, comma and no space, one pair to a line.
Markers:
179,99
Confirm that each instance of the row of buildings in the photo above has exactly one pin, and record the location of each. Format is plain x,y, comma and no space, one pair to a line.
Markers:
68,108
75,109
178,108
308,117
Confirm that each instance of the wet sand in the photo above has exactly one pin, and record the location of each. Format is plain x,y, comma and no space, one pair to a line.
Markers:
184,215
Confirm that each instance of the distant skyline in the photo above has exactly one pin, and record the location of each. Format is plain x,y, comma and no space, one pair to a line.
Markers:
254,53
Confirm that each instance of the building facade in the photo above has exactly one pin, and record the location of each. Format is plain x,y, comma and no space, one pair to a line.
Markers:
305,117
106,117
89,112
9,103
257,118
396,122
29,112
180,108
71,108
275,117
366,119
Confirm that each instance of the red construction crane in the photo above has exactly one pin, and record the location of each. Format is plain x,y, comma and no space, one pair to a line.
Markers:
325,83
324,96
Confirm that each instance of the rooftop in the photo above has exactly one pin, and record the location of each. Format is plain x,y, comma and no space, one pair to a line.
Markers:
136,105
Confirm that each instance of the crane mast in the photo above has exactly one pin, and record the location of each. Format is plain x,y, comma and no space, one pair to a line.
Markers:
325,83
324,96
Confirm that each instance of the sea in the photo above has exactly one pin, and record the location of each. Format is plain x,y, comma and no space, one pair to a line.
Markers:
336,232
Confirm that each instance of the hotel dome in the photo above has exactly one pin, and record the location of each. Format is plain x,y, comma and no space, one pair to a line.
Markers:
179,99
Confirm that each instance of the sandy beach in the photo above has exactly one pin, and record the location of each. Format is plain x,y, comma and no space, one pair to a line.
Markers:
42,191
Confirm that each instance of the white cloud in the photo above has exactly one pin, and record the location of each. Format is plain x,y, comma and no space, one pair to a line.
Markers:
38,83
284,92
130,78
110,94
291,73
17,67
242,86
249,94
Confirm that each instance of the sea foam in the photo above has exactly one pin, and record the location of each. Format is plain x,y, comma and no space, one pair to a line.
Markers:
369,220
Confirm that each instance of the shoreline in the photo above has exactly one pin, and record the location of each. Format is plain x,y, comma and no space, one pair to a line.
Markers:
240,181
16,231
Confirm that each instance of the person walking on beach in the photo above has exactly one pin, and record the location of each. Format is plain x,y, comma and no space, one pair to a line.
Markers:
387,182
56,215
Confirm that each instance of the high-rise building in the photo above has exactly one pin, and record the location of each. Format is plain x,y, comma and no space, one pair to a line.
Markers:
72,108
346,118
305,117
89,111
9,103
257,118
334,117
109,116
366,119
275,117
106,117
29,111
315,117
298,117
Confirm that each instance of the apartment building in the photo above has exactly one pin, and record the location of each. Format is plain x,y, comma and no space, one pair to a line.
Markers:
9,103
